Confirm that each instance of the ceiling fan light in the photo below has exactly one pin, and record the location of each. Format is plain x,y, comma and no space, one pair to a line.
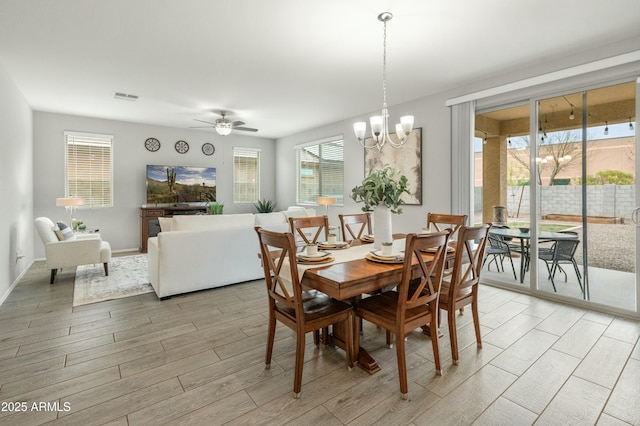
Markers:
223,129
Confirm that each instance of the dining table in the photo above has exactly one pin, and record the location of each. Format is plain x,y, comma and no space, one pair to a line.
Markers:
350,275
525,242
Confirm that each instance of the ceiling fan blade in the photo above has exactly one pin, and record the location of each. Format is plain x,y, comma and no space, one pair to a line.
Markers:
245,129
202,127
238,123
202,121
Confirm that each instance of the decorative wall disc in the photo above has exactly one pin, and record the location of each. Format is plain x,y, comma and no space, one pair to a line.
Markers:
152,144
182,147
208,149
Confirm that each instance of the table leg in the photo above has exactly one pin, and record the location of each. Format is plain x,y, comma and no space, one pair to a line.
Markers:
426,329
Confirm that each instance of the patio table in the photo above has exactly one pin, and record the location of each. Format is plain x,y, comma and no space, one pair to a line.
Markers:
525,242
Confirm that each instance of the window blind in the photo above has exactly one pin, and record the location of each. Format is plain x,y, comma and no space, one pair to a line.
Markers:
246,175
320,171
89,168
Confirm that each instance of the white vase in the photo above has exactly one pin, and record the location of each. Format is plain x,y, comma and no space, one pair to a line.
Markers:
382,222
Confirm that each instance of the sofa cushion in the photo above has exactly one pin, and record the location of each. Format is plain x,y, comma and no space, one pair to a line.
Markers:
211,222
165,224
270,219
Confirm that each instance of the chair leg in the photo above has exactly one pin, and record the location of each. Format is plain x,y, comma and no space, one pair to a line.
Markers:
575,266
106,269
389,340
54,272
476,318
513,268
270,337
453,335
402,366
434,343
552,272
297,380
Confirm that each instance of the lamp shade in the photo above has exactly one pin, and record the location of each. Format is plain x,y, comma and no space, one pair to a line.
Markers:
69,202
326,200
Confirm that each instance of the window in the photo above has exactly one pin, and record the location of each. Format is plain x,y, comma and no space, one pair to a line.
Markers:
246,175
320,170
89,168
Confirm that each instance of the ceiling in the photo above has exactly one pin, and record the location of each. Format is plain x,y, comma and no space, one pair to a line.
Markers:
282,66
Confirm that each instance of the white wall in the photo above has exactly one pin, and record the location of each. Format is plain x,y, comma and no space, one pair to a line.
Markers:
431,115
120,225
16,154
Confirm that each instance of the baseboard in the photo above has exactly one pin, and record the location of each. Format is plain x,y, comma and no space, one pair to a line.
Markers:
15,283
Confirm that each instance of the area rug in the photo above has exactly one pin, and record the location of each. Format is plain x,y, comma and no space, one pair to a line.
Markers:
128,276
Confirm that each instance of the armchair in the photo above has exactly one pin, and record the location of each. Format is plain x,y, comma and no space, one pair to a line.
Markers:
83,250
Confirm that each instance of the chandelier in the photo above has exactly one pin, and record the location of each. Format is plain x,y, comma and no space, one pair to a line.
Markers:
380,123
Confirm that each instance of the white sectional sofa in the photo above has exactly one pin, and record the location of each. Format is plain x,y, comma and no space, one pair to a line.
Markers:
205,251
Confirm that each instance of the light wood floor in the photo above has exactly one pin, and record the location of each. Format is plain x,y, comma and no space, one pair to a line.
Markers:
199,360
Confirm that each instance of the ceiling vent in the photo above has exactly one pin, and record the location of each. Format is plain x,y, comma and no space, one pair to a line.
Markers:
125,97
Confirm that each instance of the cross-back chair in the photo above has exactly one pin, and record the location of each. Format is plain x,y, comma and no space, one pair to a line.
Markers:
301,225
439,222
414,303
355,225
461,287
301,311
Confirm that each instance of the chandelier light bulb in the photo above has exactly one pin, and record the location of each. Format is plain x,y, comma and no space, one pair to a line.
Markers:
571,115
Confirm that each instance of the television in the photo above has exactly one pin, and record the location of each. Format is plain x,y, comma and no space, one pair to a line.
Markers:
180,184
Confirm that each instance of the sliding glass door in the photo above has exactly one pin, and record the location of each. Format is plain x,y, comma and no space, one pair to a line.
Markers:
560,174
585,175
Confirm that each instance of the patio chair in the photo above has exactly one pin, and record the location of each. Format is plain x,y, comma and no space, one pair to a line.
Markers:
498,249
562,252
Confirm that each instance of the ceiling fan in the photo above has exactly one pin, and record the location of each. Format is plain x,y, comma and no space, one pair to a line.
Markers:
224,126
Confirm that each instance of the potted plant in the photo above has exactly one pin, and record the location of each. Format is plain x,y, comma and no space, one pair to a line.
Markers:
265,206
216,207
380,192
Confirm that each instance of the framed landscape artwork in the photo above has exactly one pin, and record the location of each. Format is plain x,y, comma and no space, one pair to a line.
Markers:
407,159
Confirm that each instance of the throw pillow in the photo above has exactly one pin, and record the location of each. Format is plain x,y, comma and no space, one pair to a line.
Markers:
58,233
63,232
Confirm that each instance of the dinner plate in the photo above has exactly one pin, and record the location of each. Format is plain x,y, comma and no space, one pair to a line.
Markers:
367,238
337,244
318,255
392,256
370,256
316,261
433,249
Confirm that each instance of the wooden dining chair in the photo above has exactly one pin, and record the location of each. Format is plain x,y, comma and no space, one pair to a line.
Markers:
439,222
301,311
414,303
355,225
461,287
300,226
